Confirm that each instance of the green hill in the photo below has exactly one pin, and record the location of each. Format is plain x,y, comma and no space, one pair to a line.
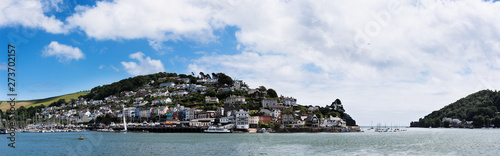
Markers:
480,107
47,101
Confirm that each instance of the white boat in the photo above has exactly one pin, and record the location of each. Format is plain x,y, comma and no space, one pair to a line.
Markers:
3,131
100,130
214,129
262,130
124,125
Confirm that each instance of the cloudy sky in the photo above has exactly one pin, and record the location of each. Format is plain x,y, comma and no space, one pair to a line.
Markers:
389,61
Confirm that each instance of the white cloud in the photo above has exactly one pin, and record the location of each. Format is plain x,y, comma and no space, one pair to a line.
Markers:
29,13
63,52
388,61
160,47
143,66
155,20
49,5
381,58
109,67
114,68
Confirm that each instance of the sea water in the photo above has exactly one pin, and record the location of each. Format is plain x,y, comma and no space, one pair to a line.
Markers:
415,141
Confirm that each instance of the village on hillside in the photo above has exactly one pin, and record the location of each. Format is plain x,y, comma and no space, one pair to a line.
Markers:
180,101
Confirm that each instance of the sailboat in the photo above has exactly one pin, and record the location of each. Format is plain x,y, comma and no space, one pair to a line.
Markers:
124,124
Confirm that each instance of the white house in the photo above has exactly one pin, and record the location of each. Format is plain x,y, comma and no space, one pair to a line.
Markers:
233,99
209,99
276,113
269,102
241,118
129,112
331,122
288,101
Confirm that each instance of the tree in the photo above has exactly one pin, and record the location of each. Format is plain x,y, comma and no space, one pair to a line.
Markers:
496,121
436,122
211,93
287,111
202,75
263,125
262,88
276,125
223,95
224,80
478,121
272,93
446,123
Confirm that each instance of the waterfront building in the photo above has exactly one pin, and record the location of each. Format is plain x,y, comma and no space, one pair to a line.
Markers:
265,119
332,122
129,112
253,121
241,119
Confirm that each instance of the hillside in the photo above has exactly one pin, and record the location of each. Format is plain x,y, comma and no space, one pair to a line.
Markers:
205,92
481,108
37,102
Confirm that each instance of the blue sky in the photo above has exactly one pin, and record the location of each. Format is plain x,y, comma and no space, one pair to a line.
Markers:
388,61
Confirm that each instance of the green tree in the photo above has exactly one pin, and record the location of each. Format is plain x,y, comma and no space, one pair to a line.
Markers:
262,88
446,124
272,93
478,121
288,111
263,125
224,80
436,122
276,126
211,93
496,121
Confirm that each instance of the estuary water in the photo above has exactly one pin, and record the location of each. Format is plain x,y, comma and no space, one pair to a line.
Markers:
415,141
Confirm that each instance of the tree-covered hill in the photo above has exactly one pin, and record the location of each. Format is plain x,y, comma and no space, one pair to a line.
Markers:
481,108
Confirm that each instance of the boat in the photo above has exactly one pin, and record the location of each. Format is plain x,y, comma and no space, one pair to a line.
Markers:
214,129
3,131
262,130
80,138
124,125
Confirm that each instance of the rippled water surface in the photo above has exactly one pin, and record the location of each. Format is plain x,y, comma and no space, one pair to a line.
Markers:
411,142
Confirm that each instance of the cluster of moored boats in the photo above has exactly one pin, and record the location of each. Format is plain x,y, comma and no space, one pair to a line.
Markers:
46,129
389,130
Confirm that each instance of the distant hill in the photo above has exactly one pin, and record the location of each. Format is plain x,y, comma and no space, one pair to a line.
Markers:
481,108
47,101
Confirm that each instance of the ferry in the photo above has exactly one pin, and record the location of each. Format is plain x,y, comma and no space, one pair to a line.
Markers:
214,129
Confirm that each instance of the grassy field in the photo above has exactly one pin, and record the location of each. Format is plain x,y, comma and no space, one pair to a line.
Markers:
47,101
